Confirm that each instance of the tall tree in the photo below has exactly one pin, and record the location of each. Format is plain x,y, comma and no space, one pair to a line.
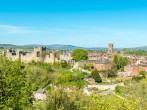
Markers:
119,62
79,54
15,92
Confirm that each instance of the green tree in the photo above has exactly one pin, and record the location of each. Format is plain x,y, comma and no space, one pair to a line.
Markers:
143,73
39,75
115,59
65,65
15,91
95,74
109,73
79,54
119,62
60,100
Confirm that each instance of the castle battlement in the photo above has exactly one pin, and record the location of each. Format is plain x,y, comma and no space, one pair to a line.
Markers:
37,55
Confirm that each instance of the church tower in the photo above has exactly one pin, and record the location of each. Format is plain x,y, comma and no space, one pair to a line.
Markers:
110,48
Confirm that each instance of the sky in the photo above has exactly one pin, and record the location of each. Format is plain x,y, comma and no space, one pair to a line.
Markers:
86,23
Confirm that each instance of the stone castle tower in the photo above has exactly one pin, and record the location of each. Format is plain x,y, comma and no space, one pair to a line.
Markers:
110,48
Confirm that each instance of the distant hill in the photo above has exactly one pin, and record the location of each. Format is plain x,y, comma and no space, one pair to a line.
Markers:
6,46
62,47
70,47
142,48
138,48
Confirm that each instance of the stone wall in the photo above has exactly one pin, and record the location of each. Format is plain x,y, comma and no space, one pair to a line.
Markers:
103,66
37,55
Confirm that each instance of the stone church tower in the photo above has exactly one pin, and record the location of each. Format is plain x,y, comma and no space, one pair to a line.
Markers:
110,48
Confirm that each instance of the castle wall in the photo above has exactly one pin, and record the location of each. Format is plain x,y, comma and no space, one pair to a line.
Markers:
50,58
27,57
66,57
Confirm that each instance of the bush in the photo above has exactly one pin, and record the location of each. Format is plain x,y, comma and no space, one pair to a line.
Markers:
65,65
60,100
143,73
137,78
88,67
118,89
109,73
96,76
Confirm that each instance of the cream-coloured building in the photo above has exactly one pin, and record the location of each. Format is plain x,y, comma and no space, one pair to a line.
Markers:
37,55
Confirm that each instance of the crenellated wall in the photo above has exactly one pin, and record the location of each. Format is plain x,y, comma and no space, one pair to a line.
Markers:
38,55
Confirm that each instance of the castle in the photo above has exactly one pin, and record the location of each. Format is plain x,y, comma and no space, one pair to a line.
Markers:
38,55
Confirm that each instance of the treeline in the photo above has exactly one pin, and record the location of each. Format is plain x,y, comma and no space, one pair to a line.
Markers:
136,52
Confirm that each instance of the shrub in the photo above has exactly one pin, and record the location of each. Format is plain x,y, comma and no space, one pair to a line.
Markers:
118,89
137,78
60,100
96,76
65,65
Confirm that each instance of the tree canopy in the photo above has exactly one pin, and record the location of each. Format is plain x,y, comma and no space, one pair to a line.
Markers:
15,91
119,62
79,54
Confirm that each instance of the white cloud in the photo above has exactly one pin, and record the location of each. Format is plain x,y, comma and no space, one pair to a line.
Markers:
10,29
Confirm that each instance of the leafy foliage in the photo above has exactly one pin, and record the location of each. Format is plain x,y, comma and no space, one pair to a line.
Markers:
96,76
119,62
65,65
39,75
18,81
137,78
136,52
108,73
89,67
137,90
61,100
79,54
15,91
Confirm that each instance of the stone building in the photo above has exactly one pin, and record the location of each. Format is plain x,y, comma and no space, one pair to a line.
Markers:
133,69
38,55
82,63
66,56
110,48
93,55
104,64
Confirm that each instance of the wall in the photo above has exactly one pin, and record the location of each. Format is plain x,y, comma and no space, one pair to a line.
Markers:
133,69
102,66
27,57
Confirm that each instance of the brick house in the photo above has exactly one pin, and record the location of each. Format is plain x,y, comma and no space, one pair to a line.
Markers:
132,69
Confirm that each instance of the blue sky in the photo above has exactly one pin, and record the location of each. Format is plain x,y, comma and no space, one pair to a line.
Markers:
87,23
